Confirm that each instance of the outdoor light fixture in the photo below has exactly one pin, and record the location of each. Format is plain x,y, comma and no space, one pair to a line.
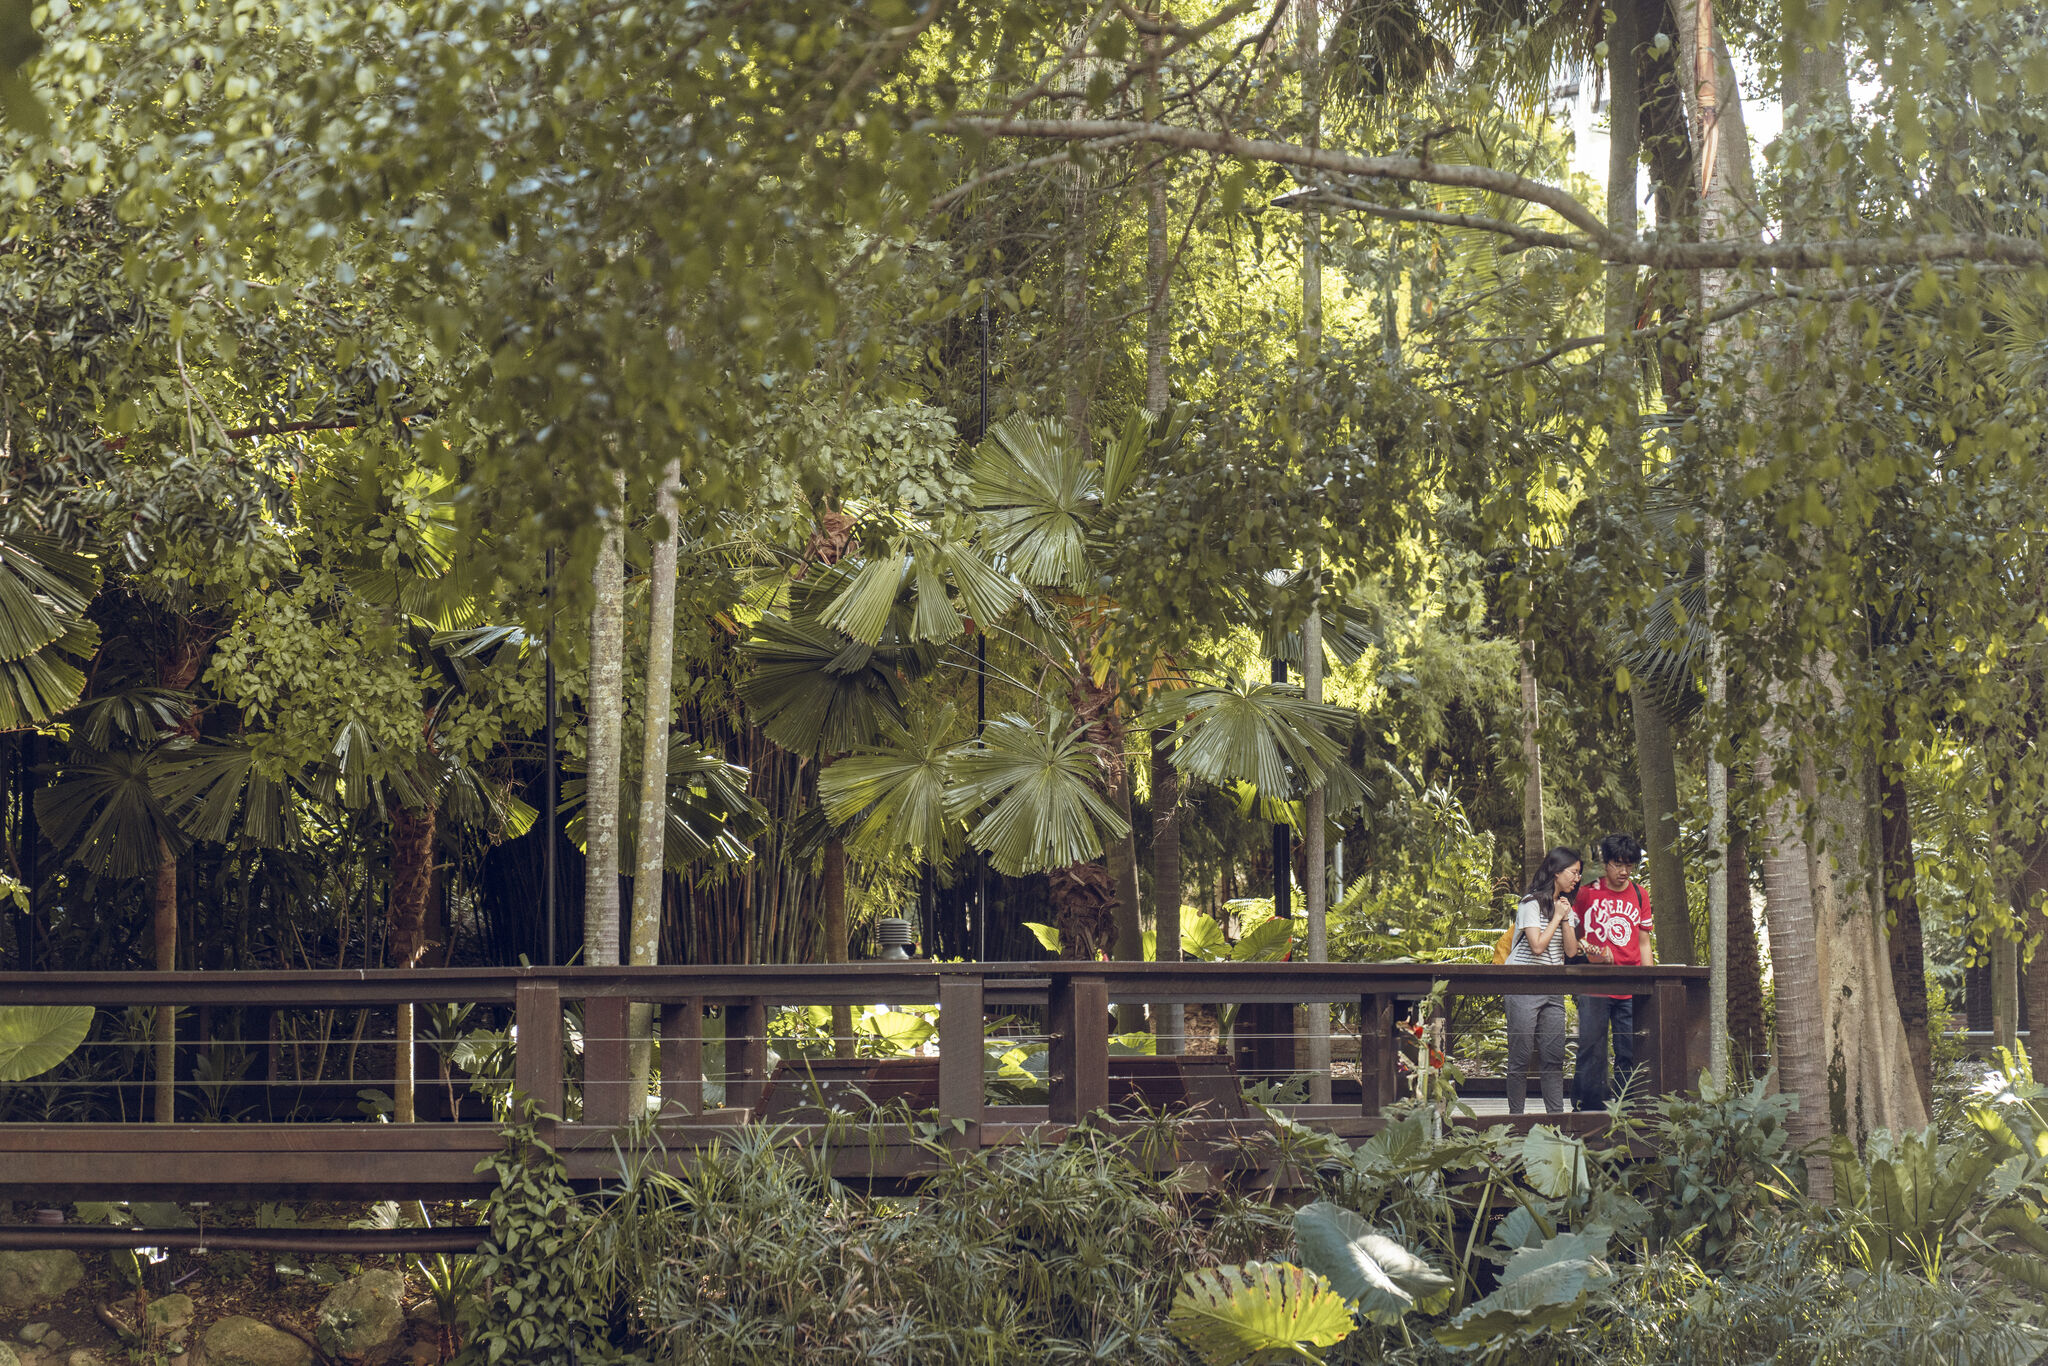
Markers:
894,933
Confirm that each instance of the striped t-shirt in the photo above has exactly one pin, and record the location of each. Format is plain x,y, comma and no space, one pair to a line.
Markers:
1532,914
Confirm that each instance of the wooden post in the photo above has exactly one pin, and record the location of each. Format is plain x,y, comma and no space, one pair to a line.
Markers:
537,1058
682,1056
607,1075
1664,1042
1266,1037
1078,1059
961,1013
1379,1076
746,1051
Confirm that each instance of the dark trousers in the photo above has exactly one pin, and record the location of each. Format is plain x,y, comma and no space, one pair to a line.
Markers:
1599,1016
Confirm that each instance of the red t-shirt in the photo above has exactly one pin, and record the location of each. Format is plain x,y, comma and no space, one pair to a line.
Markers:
1613,920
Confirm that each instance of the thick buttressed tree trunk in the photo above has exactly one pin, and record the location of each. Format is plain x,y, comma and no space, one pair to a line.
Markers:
604,709
164,924
1658,765
412,881
1800,1047
1745,963
1902,903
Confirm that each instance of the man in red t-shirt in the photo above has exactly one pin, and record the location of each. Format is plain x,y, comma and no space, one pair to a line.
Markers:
1613,915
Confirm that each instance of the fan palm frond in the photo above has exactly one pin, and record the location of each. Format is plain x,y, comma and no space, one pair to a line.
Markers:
1036,784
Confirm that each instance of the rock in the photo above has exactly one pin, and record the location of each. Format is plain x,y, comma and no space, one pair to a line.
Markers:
363,1318
7,1356
167,1314
33,1332
242,1341
28,1279
83,1357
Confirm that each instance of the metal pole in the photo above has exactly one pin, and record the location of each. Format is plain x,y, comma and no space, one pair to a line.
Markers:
1283,842
549,798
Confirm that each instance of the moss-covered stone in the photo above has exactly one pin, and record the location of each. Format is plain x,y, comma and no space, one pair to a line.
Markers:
29,1279
362,1320
241,1341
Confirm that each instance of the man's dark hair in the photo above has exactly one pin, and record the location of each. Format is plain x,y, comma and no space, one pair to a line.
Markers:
1621,849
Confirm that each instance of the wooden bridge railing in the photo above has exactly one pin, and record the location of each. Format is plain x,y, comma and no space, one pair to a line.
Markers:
74,1160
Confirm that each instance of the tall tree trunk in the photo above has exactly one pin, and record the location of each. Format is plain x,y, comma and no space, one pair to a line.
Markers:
604,709
1315,866
1169,1020
1745,963
1657,763
1801,1043
2005,989
1166,881
649,843
1533,845
164,924
1075,302
1902,902
412,880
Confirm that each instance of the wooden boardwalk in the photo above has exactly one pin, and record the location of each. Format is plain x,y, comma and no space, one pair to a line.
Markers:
1068,1003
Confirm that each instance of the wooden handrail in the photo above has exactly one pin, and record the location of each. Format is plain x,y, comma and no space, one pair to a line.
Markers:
1075,996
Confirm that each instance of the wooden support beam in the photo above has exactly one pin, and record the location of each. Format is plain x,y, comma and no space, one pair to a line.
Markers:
682,1057
746,1051
607,1088
1379,1073
961,1055
1078,1060
537,1057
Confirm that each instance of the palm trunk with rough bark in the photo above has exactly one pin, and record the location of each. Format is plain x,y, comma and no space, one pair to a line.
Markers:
605,709
650,839
164,924
1166,882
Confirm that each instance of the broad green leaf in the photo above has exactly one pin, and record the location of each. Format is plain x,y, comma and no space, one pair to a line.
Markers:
1555,1163
1267,942
1235,1314
1048,936
1541,1287
1361,1263
34,1039
1201,937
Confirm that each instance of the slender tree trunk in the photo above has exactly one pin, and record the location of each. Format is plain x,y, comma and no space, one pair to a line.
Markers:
1657,763
1075,291
2005,989
1533,844
1745,962
836,935
1169,1020
412,880
605,708
1902,901
1166,881
649,844
164,924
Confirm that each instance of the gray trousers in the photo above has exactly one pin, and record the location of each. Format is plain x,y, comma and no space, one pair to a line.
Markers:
1536,1025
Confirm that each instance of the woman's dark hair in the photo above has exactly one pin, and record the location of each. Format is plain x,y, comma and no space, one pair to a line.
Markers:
1621,849
1544,884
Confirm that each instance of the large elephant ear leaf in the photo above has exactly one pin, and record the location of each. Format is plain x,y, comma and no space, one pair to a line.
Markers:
1541,1287
1256,1312
34,1039
1385,1279
1554,1162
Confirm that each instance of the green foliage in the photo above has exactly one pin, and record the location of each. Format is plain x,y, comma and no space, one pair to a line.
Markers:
1261,1311
1365,1266
35,1039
